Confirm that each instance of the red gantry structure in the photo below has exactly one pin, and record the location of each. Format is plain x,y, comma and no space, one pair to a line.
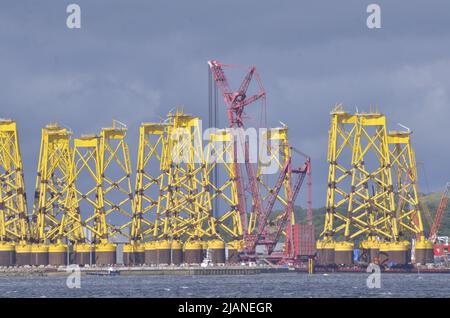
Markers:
439,213
261,225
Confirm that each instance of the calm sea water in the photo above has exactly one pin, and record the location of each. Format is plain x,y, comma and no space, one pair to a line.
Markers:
262,285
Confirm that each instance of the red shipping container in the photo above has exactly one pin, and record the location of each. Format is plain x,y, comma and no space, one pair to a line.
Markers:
304,240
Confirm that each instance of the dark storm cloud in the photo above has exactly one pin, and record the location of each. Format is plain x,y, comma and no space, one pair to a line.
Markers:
136,60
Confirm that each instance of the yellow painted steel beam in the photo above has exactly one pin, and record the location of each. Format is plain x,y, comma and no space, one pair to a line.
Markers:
152,140
226,223
408,210
50,223
115,168
90,202
14,225
360,195
184,210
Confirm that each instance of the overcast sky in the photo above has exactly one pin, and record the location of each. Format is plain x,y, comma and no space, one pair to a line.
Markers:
136,60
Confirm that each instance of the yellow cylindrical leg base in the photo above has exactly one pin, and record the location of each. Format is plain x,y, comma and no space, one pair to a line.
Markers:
105,254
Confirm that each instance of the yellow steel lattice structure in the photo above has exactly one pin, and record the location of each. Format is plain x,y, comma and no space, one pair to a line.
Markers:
50,222
226,222
408,214
86,174
115,170
360,195
152,140
73,228
14,225
184,206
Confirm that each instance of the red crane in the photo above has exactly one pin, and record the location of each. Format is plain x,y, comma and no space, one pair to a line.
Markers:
439,213
236,101
283,222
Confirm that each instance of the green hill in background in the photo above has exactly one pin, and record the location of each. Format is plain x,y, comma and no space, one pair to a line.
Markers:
430,201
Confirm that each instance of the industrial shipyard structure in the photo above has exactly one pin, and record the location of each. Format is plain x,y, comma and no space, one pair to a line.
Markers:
185,207
84,195
372,197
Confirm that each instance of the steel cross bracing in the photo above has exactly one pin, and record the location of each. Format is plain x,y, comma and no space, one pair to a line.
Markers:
408,213
115,167
50,222
227,222
259,221
184,208
360,196
89,190
14,225
152,140
84,192
372,180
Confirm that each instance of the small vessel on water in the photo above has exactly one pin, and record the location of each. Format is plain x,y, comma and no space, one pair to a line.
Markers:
109,272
